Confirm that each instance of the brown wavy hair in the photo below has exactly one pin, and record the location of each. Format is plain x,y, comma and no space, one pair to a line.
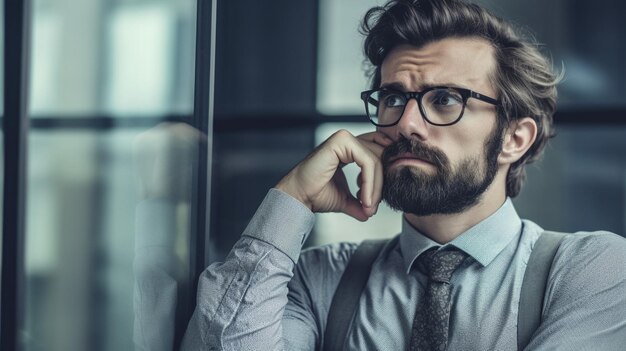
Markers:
524,78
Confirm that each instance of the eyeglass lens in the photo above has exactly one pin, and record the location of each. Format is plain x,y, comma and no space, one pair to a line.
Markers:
440,106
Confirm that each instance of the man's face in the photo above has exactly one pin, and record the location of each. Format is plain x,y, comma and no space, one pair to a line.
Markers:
433,169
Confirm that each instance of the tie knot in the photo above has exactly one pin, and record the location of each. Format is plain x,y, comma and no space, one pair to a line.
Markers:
441,264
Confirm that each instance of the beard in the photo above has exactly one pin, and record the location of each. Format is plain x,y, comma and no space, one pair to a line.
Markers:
449,190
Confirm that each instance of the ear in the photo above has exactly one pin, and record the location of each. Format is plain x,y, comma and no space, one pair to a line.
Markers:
518,138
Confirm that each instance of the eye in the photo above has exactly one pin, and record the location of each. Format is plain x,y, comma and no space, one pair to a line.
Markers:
392,100
445,98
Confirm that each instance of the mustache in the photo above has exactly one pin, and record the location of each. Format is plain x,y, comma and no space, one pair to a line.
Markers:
417,149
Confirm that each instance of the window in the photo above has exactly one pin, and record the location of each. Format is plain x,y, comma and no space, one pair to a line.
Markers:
104,250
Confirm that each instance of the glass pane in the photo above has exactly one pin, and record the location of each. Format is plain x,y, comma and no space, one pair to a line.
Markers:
580,182
107,249
108,217
591,51
124,58
340,74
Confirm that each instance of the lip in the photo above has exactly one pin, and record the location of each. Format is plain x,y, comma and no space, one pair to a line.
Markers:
408,157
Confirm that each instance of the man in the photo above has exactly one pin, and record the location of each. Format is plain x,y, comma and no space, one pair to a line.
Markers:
461,103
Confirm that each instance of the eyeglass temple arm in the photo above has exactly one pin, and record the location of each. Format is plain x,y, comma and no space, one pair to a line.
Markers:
484,98
371,100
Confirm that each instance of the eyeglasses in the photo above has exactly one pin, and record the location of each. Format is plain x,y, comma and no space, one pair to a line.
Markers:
440,106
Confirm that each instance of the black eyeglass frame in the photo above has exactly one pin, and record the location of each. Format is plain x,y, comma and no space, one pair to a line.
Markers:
417,95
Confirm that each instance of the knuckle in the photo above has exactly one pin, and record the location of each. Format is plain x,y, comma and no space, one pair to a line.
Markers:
342,133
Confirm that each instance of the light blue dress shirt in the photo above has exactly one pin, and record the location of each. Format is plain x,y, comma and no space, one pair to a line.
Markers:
259,299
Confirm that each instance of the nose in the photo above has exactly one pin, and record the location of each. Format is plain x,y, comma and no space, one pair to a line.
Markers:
412,124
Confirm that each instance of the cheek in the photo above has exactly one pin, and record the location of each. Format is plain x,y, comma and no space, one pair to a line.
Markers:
462,147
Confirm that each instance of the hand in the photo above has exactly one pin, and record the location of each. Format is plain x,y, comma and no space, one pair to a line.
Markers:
319,183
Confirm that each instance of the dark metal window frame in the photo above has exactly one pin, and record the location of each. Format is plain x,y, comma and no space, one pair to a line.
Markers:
15,126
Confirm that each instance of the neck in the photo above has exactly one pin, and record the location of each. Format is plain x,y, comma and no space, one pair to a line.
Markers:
443,228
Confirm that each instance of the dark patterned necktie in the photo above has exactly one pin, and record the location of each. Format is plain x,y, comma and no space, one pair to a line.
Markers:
430,326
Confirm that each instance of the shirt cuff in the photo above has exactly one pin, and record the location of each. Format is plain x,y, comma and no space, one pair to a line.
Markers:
283,222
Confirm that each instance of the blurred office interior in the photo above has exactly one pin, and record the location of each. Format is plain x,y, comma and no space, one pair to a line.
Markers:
208,103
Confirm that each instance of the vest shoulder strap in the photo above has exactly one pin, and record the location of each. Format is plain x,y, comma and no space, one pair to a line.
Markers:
534,285
346,297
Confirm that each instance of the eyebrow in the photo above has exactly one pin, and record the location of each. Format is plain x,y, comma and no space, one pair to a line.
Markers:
401,87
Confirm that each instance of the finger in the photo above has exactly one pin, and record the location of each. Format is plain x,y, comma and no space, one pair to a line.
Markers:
350,204
378,185
377,189
354,208
377,195
377,137
369,211
366,160
376,147
377,181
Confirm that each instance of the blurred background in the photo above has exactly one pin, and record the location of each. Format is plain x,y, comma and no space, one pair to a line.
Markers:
144,165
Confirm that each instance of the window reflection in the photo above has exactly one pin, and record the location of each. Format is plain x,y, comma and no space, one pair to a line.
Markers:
84,240
125,58
164,156
92,281
141,43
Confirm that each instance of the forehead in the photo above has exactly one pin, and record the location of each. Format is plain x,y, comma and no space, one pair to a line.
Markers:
463,62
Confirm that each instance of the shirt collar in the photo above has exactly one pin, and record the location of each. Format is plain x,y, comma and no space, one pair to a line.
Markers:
483,242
